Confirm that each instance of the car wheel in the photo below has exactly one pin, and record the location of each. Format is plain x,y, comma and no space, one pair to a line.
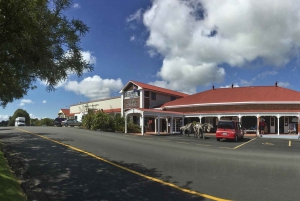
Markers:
66,125
218,139
236,138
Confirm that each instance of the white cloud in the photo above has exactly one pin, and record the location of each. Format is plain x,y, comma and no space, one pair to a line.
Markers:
283,84
132,38
4,117
76,5
94,87
26,101
229,86
32,116
87,55
196,37
137,16
267,74
44,101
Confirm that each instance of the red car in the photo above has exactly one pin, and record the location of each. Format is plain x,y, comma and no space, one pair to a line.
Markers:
229,129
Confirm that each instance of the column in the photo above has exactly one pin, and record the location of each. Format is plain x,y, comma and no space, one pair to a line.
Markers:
125,123
171,127
142,99
158,133
122,104
278,117
143,123
167,125
257,125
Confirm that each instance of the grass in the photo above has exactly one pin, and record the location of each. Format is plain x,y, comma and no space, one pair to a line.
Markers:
10,188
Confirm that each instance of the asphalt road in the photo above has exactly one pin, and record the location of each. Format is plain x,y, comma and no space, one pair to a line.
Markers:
129,166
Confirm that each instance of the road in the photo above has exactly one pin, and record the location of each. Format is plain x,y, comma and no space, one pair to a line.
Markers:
77,164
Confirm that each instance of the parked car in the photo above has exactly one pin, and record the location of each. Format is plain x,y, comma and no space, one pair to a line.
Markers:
58,121
229,129
71,122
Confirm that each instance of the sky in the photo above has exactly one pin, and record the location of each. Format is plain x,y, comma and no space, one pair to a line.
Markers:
183,45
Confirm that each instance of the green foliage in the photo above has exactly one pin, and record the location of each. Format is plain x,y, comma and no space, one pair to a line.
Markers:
119,123
87,120
106,122
10,187
37,41
102,121
45,122
4,123
133,128
19,113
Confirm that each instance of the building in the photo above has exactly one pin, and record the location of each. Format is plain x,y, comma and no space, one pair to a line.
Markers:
162,110
278,106
139,98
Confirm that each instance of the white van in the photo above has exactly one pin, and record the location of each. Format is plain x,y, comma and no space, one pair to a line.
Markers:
20,121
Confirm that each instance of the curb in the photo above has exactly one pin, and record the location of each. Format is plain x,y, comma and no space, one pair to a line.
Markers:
32,191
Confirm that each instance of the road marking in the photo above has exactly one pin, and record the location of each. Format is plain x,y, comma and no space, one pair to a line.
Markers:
132,171
182,142
268,143
290,143
243,143
225,148
207,145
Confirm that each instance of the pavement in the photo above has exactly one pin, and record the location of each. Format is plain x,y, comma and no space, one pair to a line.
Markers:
270,136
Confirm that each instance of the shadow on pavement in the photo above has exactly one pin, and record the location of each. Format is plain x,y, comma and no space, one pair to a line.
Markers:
64,174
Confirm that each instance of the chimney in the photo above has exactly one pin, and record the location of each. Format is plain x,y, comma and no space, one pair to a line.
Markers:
276,84
231,85
213,87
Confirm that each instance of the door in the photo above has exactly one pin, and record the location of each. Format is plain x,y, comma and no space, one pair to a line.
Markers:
272,124
286,124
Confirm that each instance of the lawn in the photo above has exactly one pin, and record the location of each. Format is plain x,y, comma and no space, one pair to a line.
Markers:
10,188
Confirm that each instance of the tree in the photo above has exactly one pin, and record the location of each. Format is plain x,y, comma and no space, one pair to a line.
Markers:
46,122
37,42
19,113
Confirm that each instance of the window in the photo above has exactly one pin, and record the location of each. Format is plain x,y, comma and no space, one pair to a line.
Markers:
153,96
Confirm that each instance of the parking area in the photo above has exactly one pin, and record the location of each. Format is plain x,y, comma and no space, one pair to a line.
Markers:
248,143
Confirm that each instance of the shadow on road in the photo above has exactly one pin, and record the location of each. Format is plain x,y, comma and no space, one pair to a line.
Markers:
64,174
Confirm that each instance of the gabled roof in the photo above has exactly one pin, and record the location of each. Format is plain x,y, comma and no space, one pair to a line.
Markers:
238,95
65,111
156,89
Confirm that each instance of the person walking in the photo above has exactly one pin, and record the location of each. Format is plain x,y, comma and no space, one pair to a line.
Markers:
262,125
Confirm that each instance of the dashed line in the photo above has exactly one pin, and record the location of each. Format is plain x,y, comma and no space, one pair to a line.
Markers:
206,145
182,142
132,171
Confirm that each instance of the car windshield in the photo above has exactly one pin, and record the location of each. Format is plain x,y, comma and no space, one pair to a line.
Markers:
225,125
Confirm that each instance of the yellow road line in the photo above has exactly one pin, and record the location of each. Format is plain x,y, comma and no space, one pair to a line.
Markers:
132,171
290,143
243,143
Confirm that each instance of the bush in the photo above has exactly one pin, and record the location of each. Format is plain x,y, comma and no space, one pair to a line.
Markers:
87,120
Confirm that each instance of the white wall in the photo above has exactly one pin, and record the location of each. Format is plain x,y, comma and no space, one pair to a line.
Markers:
104,104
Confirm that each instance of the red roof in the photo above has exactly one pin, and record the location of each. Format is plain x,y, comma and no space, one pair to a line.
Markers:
65,111
159,89
238,95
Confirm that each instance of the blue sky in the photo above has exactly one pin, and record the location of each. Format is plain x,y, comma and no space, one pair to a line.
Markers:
186,46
